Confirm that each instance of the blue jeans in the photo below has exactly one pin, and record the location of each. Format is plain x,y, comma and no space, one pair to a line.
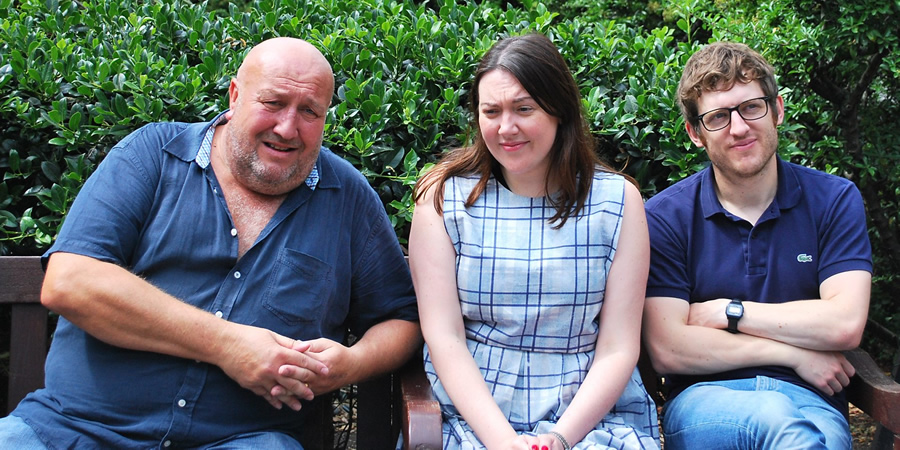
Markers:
753,413
15,433
257,440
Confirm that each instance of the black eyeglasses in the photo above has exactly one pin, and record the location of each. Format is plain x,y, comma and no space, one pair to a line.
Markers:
753,109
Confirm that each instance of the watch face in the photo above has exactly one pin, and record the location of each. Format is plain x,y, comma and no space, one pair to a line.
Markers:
733,309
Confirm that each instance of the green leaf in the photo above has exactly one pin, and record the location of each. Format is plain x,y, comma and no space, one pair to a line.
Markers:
119,81
58,199
26,222
51,170
7,219
75,120
14,160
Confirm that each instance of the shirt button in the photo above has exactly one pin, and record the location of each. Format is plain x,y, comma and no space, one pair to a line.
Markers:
234,232
181,403
219,314
167,444
237,274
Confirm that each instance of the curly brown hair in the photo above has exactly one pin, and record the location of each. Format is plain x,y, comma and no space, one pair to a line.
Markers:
717,67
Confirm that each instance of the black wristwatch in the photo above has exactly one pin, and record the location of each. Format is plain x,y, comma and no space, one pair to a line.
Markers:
734,311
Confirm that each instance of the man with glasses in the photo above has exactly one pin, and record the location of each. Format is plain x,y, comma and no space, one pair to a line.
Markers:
760,274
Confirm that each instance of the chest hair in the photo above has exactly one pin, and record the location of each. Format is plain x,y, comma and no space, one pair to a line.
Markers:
251,213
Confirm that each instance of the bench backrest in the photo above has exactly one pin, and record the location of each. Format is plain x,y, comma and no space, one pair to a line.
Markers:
20,287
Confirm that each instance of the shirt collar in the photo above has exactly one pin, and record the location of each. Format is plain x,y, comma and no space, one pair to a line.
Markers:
787,195
202,158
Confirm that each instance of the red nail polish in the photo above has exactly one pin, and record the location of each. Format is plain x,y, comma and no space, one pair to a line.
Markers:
545,448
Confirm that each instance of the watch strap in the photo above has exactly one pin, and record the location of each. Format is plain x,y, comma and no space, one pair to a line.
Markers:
733,320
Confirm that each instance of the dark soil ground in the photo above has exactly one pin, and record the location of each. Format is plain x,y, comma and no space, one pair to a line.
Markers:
862,427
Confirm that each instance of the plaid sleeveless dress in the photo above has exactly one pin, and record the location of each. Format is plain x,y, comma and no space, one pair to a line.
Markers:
530,298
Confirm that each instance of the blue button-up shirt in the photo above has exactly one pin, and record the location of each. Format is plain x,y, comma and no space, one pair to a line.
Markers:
814,228
328,261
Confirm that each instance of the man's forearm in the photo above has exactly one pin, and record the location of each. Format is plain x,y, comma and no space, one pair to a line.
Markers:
385,347
700,350
833,323
677,346
121,309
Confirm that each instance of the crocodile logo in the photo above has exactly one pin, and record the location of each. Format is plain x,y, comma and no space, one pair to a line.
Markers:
804,258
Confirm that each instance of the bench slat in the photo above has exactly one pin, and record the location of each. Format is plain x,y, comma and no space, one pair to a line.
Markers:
21,278
28,346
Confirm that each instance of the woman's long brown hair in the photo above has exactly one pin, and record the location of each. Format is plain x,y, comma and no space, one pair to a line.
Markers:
536,63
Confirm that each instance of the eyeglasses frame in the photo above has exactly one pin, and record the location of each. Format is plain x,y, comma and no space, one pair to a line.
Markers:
737,108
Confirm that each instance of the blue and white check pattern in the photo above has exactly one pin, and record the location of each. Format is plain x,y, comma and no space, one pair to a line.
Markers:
202,158
530,297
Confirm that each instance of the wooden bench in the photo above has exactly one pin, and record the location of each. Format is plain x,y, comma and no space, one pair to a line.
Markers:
870,390
378,401
395,404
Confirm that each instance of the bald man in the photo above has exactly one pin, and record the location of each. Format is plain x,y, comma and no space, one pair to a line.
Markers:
208,273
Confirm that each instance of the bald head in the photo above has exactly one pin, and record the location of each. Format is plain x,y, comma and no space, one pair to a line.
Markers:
286,57
278,103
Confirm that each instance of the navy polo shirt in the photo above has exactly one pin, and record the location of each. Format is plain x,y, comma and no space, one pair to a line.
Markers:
814,228
327,261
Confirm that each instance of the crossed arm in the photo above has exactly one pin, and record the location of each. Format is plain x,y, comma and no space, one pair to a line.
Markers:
806,335
121,309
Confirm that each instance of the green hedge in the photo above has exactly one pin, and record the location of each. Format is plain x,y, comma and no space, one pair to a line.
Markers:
75,77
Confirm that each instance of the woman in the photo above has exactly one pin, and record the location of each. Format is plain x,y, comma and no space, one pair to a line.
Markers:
530,260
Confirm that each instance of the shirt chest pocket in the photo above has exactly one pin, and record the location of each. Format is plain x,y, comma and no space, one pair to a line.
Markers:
299,288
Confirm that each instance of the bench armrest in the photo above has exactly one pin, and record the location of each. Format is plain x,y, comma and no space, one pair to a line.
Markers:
872,391
420,413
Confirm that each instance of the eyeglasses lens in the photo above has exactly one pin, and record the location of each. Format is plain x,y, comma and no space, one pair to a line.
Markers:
752,109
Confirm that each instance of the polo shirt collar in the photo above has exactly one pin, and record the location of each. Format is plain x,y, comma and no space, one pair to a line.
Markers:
789,189
787,195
